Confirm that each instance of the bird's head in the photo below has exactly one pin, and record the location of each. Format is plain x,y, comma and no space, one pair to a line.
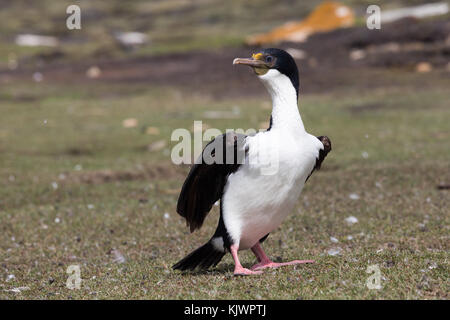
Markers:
272,66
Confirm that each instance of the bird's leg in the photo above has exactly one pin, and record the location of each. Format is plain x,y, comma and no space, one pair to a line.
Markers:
239,270
265,262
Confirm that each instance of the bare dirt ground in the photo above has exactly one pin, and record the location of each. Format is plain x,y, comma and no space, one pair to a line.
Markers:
344,57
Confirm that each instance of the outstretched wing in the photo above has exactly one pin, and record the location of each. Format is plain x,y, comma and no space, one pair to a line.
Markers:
322,153
207,178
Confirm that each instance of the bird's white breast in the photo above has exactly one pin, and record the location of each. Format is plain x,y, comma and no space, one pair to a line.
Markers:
261,193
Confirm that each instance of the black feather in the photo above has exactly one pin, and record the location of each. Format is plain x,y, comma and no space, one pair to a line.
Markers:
203,257
322,153
206,180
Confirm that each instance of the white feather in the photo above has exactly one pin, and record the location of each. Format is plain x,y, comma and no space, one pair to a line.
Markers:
259,196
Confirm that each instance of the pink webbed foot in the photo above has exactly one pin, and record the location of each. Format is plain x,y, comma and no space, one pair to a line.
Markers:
270,264
241,271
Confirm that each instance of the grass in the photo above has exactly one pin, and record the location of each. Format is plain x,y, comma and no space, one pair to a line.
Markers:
76,187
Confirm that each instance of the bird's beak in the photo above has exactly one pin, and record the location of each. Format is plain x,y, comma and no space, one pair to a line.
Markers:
250,62
256,62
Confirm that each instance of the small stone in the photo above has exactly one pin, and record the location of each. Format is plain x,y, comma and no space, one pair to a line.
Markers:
351,220
353,196
334,251
38,77
131,39
424,67
357,54
10,277
130,123
93,72
152,131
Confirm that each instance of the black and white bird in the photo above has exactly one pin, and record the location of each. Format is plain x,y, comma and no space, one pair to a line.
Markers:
257,178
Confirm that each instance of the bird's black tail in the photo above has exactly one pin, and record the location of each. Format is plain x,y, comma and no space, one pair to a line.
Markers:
203,257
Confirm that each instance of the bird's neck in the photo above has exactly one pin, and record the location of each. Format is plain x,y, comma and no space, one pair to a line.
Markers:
285,114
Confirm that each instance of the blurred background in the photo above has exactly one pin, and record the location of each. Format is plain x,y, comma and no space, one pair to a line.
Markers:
86,118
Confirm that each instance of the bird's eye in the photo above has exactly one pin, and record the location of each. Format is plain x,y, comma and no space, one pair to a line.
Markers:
269,59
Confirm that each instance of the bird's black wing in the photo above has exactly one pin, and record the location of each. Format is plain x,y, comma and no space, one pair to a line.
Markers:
322,153
207,178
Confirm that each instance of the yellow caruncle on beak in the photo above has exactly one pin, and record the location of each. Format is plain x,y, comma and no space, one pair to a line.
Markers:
257,56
